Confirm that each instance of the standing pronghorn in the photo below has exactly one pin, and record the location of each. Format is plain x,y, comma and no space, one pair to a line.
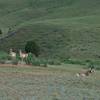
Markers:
22,55
86,73
12,54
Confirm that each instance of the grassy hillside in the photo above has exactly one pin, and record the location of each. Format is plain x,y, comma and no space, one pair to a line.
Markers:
62,28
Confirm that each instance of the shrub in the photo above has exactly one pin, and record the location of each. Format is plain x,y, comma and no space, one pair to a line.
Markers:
36,62
43,63
31,46
31,59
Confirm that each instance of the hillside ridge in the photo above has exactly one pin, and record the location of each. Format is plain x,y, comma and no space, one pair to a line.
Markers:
62,28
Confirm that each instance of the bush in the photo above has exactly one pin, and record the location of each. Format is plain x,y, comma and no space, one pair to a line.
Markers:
36,62
31,59
31,46
43,63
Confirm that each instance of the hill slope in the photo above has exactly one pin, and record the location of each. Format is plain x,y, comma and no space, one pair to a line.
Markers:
62,28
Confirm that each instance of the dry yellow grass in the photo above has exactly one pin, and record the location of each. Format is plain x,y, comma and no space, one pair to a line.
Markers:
52,83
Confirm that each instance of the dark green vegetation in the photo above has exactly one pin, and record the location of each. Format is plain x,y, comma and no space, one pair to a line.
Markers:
5,58
32,47
52,83
0,31
62,28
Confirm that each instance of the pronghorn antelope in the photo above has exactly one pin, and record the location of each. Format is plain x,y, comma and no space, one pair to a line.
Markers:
22,55
12,54
86,73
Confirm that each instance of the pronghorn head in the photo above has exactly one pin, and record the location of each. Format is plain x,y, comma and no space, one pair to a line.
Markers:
89,71
93,70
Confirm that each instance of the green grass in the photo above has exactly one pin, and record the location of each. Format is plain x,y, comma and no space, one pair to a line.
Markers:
52,83
62,28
